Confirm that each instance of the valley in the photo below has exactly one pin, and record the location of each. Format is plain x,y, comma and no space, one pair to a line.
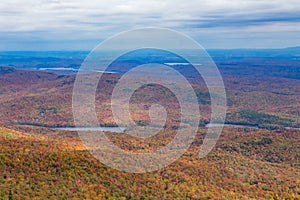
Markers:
256,157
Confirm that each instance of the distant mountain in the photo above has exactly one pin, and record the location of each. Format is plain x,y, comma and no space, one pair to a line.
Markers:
293,48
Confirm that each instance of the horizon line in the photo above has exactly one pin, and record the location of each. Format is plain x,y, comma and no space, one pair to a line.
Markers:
208,49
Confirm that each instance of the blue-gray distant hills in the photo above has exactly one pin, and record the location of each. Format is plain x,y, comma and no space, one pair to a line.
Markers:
283,62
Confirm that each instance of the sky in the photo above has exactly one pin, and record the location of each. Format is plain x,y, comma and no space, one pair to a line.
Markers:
82,24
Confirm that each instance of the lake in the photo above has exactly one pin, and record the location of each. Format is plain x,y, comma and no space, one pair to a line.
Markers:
101,128
112,129
230,125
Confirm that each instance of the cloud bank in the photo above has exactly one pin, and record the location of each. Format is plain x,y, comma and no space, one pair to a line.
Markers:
77,24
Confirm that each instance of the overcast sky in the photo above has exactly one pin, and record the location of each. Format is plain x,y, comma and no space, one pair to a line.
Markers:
80,25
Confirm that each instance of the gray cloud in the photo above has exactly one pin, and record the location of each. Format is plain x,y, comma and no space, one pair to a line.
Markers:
82,20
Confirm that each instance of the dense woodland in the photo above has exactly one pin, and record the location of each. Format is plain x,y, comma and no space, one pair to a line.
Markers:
247,163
